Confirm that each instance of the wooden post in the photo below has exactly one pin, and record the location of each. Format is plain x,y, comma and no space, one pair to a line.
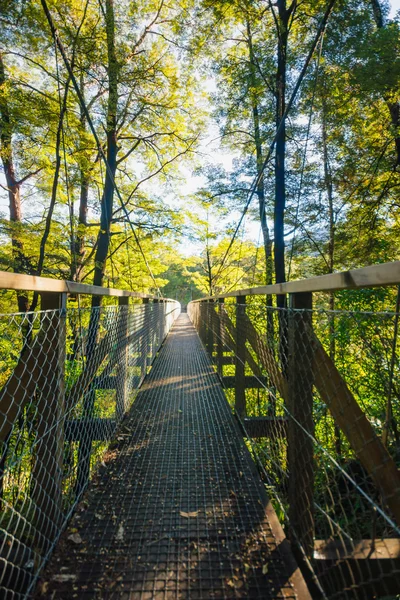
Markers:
240,358
47,471
210,333
154,342
144,346
220,351
300,407
202,322
121,395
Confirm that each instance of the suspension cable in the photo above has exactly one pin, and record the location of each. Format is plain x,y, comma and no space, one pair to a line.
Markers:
258,178
96,137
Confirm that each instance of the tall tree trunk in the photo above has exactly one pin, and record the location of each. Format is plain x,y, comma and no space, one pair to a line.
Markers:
103,239
108,192
283,18
259,161
13,187
260,187
78,251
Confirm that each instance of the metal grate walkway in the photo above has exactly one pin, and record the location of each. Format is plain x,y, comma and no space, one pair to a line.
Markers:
178,510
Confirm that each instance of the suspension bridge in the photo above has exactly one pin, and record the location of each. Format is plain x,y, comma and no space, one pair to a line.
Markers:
226,452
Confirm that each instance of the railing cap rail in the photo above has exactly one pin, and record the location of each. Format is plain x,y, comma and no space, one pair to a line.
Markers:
31,283
384,274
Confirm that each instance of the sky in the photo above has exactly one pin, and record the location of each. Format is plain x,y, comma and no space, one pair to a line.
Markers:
395,6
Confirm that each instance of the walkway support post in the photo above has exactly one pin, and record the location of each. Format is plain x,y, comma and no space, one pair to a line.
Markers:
210,333
121,394
48,461
154,346
144,346
301,425
220,348
240,358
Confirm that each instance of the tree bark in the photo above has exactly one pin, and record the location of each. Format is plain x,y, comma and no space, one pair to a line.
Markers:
13,187
260,162
283,18
108,192
78,250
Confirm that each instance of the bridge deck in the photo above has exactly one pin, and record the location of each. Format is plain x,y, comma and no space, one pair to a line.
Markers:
179,510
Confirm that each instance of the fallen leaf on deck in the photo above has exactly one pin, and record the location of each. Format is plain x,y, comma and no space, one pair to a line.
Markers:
188,515
62,578
265,569
76,538
120,534
237,584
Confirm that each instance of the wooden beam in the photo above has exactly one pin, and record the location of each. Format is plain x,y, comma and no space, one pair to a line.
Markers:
220,352
121,391
346,413
240,356
268,427
358,430
267,359
301,426
228,334
250,382
384,274
380,549
364,569
93,429
17,281
47,471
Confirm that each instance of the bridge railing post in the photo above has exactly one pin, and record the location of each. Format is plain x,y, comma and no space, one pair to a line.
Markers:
220,348
240,357
121,395
301,425
210,332
48,461
144,345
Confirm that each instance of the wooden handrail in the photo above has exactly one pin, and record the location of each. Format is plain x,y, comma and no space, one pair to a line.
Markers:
384,274
31,283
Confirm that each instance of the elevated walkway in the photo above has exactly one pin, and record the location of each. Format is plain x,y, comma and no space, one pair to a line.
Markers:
178,509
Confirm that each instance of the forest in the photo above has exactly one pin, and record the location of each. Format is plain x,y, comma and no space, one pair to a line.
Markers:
247,141
183,150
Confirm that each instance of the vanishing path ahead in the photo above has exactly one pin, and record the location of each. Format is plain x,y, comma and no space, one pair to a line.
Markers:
179,510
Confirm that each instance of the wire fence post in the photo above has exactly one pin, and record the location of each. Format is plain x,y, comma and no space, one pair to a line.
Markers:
144,346
240,358
210,332
220,349
48,460
300,406
121,395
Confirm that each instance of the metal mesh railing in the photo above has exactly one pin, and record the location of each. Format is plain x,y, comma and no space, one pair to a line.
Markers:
67,380
317,394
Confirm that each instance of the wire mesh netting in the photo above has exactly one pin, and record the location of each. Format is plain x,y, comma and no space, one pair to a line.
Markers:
317,394
68,378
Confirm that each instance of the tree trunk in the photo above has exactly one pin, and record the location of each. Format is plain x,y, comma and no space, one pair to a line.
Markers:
77,259
13,187
280,151
108,192
260,161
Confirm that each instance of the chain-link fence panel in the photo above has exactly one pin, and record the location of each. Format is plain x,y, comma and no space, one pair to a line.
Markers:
316,392
68,377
